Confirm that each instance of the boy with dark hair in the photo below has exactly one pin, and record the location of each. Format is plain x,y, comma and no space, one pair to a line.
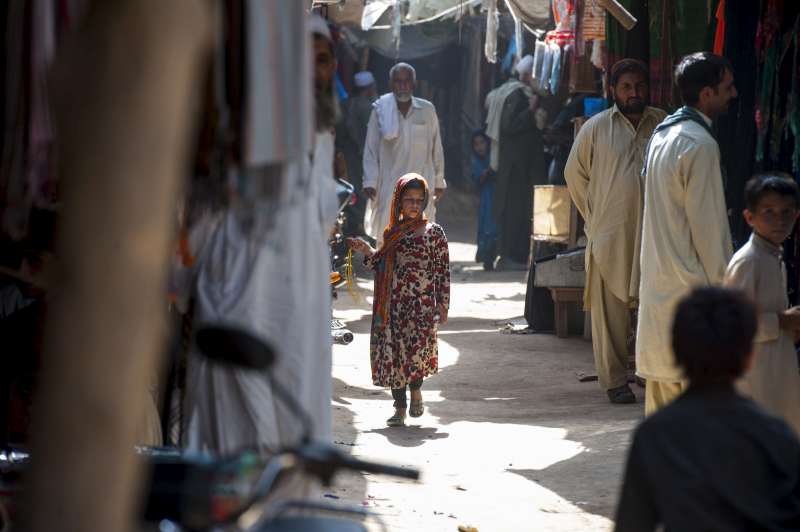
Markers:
772,202
712,459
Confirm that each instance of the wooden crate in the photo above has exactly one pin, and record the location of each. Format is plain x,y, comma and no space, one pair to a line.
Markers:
552,213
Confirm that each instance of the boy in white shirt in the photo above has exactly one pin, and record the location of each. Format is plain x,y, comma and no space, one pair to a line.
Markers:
772,202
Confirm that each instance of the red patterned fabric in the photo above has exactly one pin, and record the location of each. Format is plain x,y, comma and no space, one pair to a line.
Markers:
412,283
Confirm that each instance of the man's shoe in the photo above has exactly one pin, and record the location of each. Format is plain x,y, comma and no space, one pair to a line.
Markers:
621,395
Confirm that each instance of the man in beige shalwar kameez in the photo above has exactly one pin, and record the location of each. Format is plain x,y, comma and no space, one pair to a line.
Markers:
602,174
685,241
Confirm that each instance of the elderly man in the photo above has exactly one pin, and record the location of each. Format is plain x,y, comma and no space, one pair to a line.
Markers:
686,240
520,164
402,137
602,174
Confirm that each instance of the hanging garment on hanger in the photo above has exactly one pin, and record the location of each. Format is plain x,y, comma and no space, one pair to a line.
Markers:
555,70
538,63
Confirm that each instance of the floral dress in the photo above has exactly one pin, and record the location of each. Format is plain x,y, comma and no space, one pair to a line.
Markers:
406,350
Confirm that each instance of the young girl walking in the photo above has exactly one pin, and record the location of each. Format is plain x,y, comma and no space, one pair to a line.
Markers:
412,296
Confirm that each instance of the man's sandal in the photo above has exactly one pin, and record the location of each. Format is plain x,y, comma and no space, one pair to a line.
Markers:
398,419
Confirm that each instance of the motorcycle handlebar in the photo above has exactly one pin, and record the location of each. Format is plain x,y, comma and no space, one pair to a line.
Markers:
324,461
381,469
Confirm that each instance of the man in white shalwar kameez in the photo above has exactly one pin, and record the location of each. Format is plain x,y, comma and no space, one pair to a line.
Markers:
603,176
402,137
265,268
685,239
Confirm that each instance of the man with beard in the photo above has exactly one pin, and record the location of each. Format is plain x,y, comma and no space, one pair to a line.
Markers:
686,239
263,266
602,174
402,138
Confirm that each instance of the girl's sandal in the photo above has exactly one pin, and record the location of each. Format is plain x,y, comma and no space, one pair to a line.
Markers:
417,409
398,419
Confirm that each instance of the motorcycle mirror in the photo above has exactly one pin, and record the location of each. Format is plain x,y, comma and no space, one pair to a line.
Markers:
233,346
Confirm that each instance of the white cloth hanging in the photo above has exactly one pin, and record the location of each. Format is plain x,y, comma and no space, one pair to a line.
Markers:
388,116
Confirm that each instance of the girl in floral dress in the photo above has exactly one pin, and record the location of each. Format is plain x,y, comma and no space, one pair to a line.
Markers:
412,297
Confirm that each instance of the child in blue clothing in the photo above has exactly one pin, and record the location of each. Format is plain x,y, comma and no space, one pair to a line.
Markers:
483,177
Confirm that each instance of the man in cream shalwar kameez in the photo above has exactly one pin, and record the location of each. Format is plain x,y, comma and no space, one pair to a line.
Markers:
686,240
399,144
773,380
603,176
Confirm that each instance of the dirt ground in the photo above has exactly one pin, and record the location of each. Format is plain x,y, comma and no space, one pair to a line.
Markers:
510,439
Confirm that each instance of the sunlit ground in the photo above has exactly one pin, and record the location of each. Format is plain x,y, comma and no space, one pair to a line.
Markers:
510,440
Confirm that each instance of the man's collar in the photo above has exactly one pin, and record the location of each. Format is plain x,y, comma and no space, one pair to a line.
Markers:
702,114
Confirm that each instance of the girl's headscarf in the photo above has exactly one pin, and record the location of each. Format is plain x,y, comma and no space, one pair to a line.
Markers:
385,256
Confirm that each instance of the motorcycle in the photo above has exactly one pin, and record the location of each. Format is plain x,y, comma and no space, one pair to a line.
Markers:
346,195
196,493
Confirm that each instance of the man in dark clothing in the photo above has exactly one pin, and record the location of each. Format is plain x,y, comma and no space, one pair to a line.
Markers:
351,133
521,165
713,459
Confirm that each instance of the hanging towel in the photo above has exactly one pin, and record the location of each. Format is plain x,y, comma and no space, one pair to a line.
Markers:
388,116
555,71
547,68
538,63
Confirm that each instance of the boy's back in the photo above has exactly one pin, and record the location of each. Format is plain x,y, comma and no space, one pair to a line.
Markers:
712,460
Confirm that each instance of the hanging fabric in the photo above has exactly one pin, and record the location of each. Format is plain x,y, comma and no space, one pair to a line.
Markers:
492,22
547,68
593,21
794,101
538,63
719,34
555,70
279,107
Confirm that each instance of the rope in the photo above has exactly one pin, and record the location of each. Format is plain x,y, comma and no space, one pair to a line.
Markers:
352,287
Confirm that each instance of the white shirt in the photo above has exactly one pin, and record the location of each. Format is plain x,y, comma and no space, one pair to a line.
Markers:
686,240
773,381
273,282
418,148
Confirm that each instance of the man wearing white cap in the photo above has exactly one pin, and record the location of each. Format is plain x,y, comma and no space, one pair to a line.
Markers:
520,165
402,137
351,134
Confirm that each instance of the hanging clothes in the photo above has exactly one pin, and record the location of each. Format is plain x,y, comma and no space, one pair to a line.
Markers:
719,34
555,70
278,103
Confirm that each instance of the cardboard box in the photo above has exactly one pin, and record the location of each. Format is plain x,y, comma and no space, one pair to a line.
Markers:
552,215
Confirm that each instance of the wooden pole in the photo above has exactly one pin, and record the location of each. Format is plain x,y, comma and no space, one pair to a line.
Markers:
124,90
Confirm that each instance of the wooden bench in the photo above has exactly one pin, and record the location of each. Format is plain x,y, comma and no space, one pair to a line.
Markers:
562,296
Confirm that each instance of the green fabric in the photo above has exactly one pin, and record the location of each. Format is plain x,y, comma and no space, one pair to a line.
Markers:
677,28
